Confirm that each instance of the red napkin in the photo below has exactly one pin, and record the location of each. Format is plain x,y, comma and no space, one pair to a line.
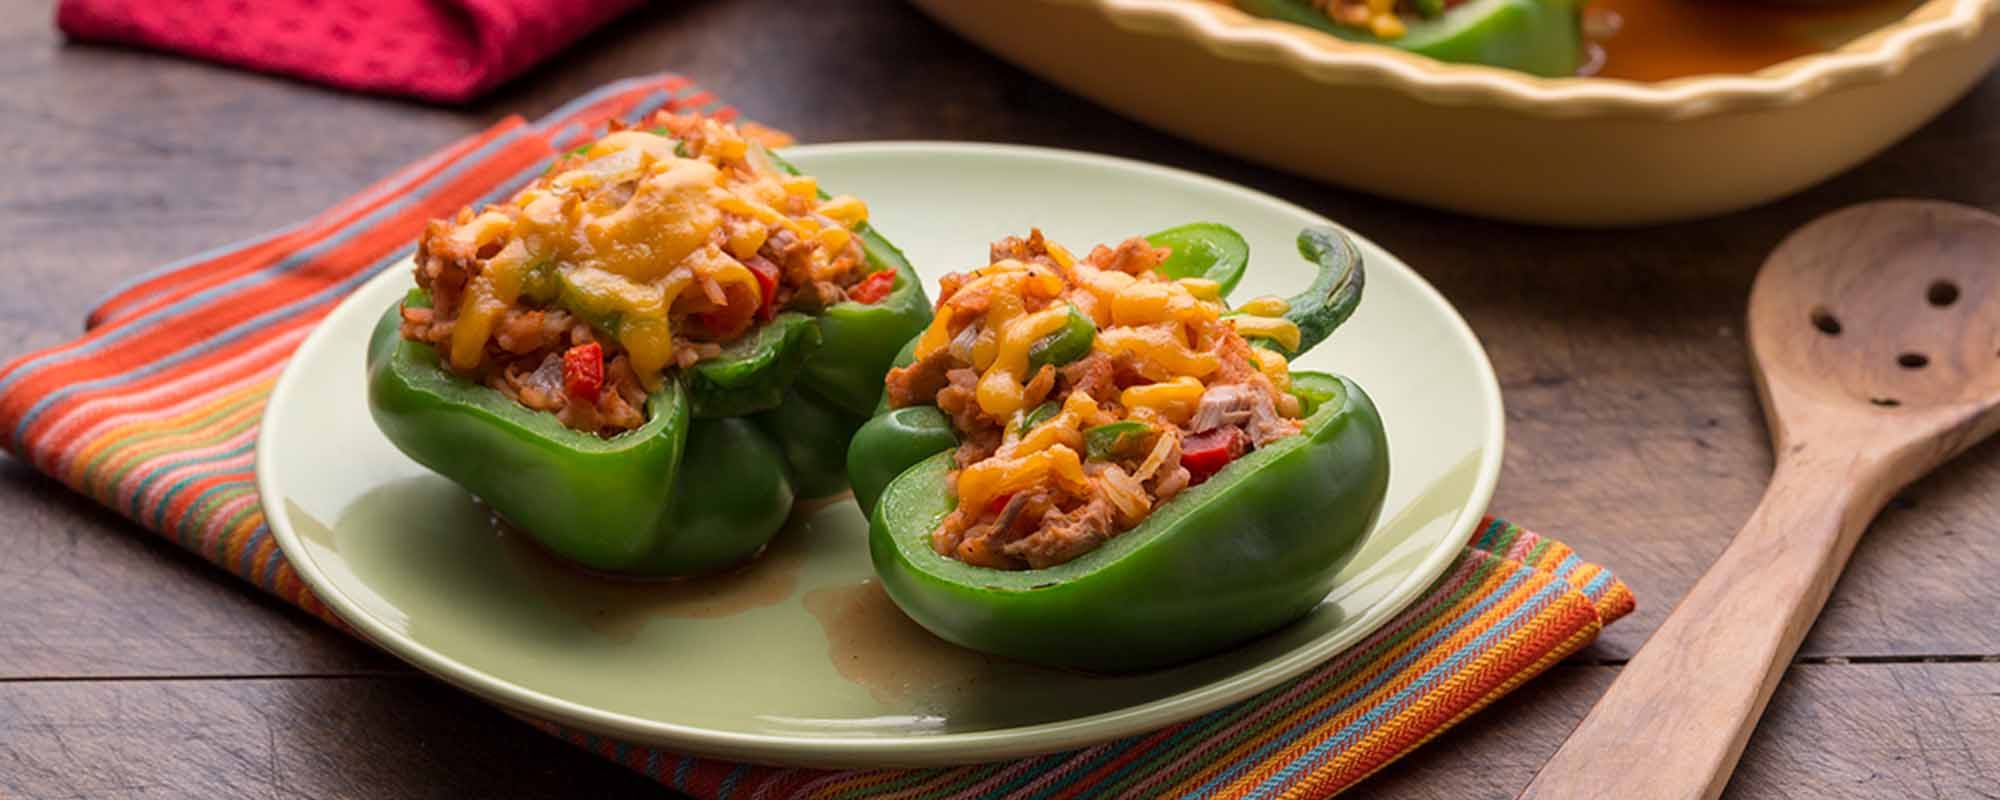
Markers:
441,50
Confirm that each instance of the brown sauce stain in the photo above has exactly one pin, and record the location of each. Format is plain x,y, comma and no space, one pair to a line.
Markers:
873,644
1654,40
619,606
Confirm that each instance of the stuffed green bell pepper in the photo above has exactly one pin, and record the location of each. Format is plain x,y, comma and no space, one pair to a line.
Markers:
643,357
1540,37
1146,488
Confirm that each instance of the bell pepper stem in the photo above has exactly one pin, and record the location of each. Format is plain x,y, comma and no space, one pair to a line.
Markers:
1335,292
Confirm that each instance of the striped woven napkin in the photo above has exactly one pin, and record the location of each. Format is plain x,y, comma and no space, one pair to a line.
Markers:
154,413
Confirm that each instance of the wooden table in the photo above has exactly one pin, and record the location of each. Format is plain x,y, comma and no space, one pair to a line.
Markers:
128,668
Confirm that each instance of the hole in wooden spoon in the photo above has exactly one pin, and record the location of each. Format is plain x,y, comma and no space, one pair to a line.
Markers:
1913,360
1942,293
1825,322
1885,402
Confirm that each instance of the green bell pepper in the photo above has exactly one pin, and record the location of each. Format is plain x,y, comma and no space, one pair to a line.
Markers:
621,504
766,420
893,440
889,444
753,373
1069,344
1539,37
1105,442
812,433
1038,415
859,340
1204,250
1254,547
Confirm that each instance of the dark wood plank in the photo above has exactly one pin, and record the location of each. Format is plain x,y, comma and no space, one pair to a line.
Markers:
84,593
1902,730
1859,730
296,738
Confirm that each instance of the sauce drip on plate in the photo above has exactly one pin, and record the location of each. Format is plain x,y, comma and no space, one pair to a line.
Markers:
872,643
619,607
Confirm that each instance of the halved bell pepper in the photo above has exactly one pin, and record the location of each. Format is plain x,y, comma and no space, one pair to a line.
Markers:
1539,37
767,420
1254,547
895,439
622,504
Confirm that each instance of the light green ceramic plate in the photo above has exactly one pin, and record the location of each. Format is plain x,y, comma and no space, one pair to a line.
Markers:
801,659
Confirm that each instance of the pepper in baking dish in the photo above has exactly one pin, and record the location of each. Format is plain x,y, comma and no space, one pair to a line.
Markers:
643,357
1173,490
1539,37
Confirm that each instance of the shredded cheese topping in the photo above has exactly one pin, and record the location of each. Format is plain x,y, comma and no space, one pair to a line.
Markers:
640,232
1157,348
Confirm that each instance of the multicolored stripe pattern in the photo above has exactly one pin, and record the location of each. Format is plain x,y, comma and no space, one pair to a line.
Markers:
154,412
1512,605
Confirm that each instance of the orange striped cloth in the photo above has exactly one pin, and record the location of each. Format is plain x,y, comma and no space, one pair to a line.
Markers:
154,411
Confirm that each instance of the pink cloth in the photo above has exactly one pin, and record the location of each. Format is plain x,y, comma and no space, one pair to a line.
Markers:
439,50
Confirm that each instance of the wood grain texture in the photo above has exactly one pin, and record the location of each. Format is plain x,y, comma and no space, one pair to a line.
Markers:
1633,430
1849,731
383,738
1871,334
81,595
1857,730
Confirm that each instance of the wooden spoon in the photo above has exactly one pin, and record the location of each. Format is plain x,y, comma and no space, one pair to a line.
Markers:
1875,336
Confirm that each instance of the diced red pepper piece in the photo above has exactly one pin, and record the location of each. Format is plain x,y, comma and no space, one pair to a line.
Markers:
767,286
1205,454
874,287
999,504
583,372
731,320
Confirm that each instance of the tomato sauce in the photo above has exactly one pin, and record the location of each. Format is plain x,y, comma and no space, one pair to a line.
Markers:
1653,40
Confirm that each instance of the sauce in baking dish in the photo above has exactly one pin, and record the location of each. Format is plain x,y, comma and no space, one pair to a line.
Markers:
1653,40
1641,40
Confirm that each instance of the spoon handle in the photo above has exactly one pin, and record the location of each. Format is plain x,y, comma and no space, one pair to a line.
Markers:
1675,721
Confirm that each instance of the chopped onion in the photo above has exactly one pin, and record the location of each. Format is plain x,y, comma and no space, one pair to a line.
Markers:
1163,447
961,345
1124,493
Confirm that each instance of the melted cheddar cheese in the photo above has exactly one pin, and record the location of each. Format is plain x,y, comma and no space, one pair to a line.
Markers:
1167,330
640,232
1086,392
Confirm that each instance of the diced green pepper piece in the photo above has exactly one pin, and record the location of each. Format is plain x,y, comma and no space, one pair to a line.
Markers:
1106,442
1038,415
1066,345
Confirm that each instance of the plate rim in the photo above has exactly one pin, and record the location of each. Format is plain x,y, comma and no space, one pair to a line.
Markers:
927,750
